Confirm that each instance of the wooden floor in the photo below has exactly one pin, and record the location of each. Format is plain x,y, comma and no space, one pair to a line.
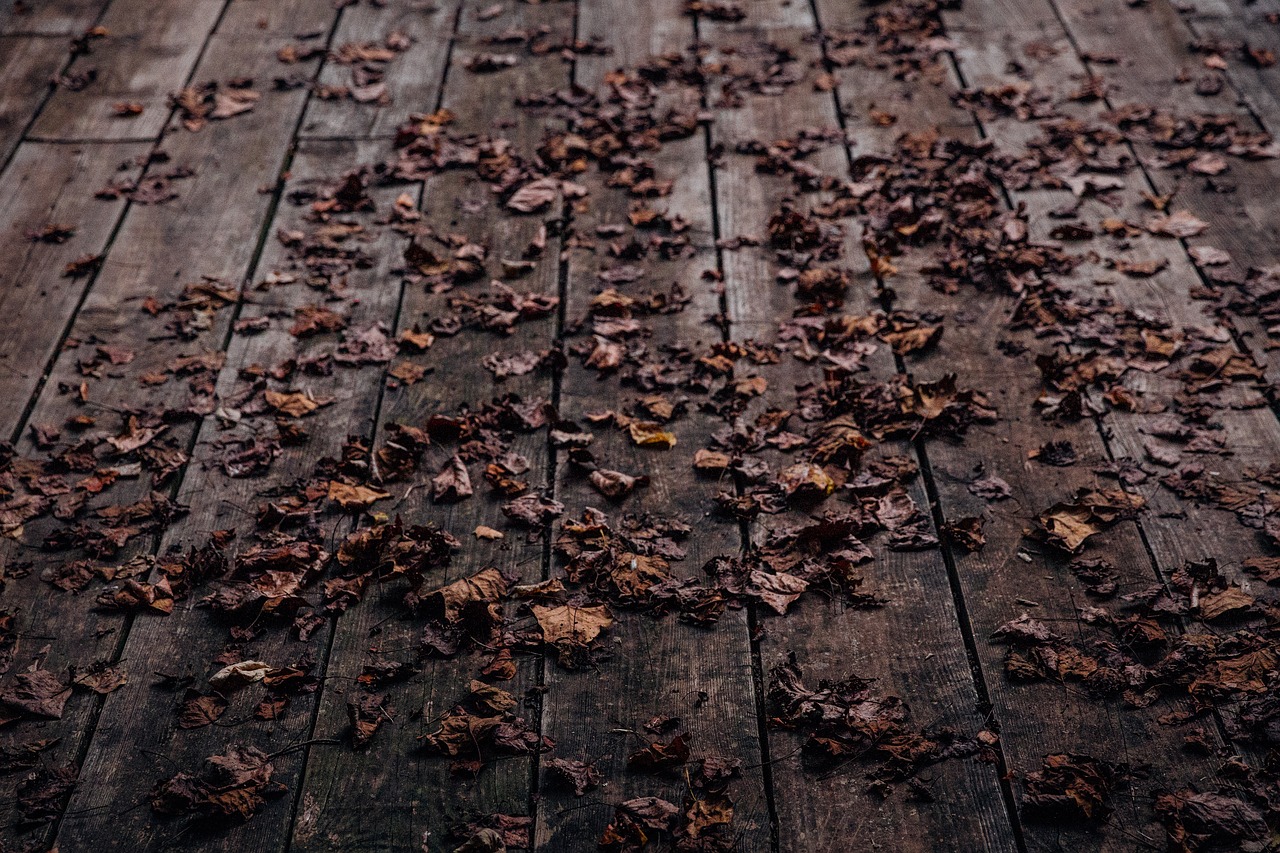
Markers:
767,425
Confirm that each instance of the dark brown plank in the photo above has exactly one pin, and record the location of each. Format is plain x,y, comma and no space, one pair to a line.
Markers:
967,343
26,66
913,646
417,798
138,741
1240,213
1177,531
412,78
660,667
1035,719
1250,432
45,184
1218,10
150,48
212,228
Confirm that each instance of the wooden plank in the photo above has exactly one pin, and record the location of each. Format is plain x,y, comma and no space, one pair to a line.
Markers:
48,17
662,667
1241,220
139,741
913,646
417,798
26,66
412,78
281,23
1251,90
212,228
149,50
967,343
50,184
1229,10
1244,228
1176,528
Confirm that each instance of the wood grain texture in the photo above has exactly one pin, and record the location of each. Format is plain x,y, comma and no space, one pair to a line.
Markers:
27,66
48,17
1237,204
913,646
412,78
148,54
212,229
418,800
983,61
1244,227
150,727
50,184
661,667
930,642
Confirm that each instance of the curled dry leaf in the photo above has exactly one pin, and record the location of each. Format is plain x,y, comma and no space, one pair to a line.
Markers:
649,434
353,497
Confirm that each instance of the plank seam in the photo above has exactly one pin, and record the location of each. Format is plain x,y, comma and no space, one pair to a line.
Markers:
296,800
126,630
964,622
53,87
553,457
95,710
744,527
1219,723
1102,431
156,142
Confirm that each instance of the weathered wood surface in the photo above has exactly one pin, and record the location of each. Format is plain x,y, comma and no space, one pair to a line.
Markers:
49,17
418,799
148,54
35,48
601,716
412,79
930,639
27,66
50,184
1172,536
912,646
211,229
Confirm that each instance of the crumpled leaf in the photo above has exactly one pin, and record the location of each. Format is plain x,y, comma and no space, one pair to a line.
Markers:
1069,525
1070,788
34,693
352,497
581,776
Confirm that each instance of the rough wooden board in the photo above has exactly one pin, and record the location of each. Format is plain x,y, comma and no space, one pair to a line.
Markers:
1241,220
280,23
150,50
49,17
212,228
1251,434
413,78
1197,10
1011,575
1003,580
417,798
26,64
139,715
964,347
48,183
927,667
1175,534
330,815
660,667
990,580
